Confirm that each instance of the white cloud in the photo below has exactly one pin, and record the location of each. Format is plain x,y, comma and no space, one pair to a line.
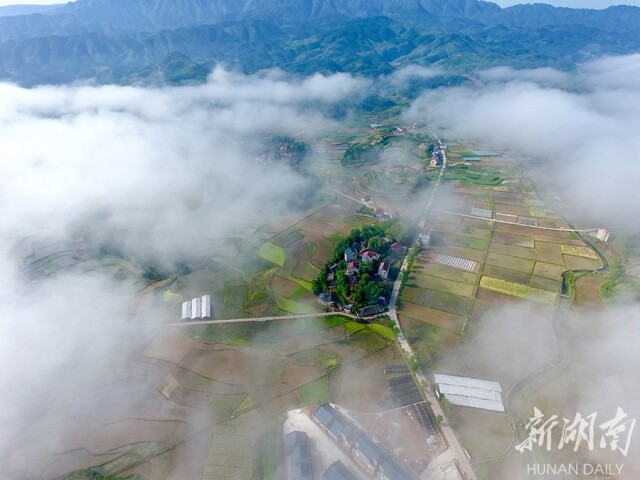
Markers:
587,132
160,173
414,72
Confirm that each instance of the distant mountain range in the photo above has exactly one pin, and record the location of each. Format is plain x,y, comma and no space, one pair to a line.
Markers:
178,41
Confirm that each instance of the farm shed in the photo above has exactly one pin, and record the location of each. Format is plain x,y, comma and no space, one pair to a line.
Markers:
470,392
196,308
186,310
205,306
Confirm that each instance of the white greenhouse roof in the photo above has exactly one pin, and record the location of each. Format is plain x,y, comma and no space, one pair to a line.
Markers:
471,392
206,306
476,403
467,382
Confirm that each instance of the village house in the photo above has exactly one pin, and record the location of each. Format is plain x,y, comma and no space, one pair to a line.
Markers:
398,249
350,254
383,270
369,257
353,268
371,310
367,200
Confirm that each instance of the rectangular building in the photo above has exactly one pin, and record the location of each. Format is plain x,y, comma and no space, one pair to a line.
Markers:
470,392
205,306
196,305
186,310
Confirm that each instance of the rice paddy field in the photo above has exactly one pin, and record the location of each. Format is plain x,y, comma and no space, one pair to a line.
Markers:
480,299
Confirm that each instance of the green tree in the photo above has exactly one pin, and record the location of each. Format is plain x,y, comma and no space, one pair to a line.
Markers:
372,291
342,286
378,245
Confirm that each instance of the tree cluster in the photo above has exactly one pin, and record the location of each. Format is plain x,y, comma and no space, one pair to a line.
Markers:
364,288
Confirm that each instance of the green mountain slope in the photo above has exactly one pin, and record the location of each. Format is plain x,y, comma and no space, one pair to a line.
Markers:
177,41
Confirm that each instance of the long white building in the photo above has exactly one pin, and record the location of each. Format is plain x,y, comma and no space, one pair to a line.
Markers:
205,306
199,307
470,392
186,310
196,308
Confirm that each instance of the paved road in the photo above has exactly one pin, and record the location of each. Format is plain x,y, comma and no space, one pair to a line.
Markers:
188,323
454,450
519,224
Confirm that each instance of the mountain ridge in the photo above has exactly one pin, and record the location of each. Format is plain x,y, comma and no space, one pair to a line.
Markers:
125,40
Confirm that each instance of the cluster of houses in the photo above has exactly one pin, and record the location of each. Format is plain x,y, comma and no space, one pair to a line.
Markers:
352,256
199,307
355,259
357,445
437,154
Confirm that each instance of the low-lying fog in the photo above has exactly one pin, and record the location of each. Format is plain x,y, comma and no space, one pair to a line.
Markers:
153,171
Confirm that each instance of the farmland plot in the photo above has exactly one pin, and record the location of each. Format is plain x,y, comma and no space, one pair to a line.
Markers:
551,285
577,251
513,263
520,240
462,252
549,252
456,262
581,263
286,238
513,251
548,270
442,285
435,317
507,274
231,455
447,302
517,290
448,273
